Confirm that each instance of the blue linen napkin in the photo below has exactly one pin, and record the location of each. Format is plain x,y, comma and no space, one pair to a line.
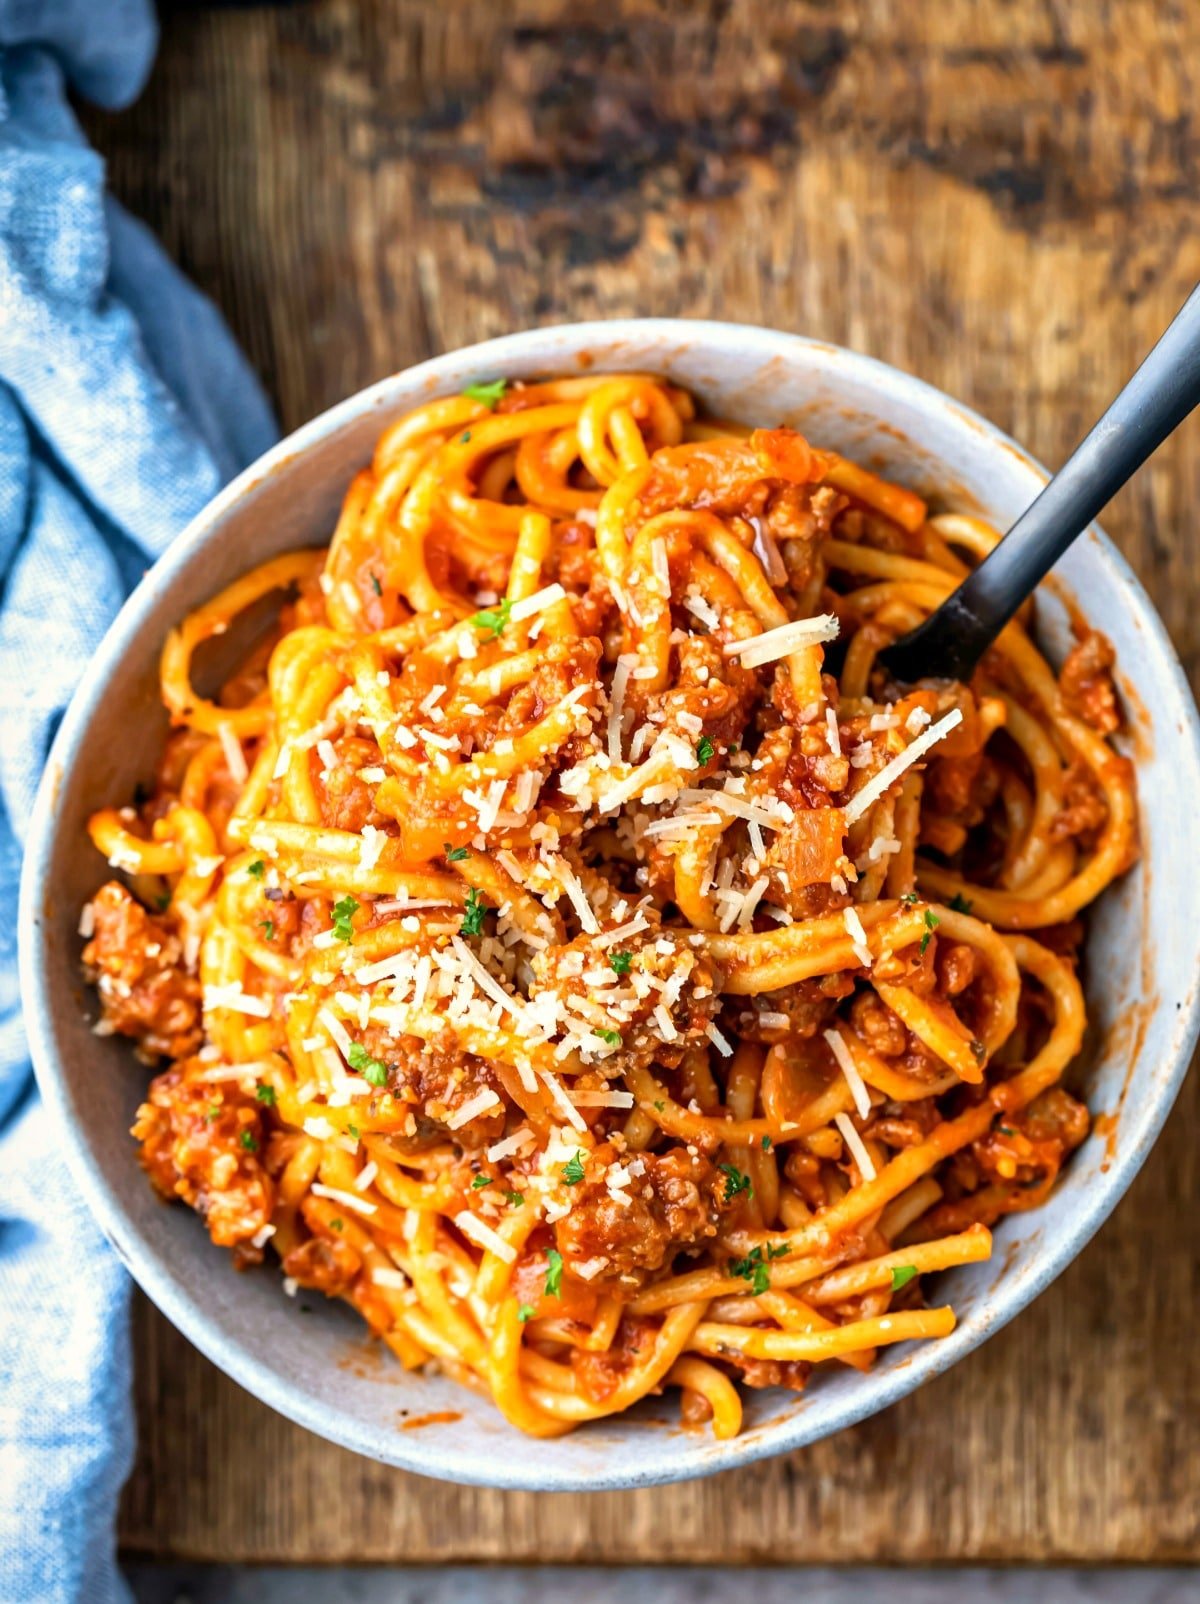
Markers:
124,406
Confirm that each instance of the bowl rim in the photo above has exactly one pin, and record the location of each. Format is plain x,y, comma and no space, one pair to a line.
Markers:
183,1307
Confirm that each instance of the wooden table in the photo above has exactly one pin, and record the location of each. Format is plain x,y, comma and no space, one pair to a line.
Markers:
997,196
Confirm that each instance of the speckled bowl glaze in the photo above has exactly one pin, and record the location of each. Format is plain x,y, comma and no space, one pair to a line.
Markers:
1143,949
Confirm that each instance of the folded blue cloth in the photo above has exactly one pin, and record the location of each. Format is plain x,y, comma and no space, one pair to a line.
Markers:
124,406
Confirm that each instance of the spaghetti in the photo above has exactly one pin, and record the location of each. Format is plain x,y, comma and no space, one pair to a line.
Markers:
558,963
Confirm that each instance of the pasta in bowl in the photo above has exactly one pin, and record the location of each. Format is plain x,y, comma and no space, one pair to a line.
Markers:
565,944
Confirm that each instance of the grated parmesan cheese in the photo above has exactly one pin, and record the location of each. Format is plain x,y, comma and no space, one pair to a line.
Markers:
483,1236
479,1104
783,640
537,603
858,1087
235,758
857,1146
348,1200
858,936
891,772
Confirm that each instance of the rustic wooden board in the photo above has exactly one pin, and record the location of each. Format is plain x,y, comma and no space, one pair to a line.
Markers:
999,197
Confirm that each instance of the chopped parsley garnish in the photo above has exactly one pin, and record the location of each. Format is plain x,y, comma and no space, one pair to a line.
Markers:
659,1104
619,962
766,1144
1006,1130
375,585
258,868
353,1131
163,901
214,1112
612,1037
335,1225
472,919
554,1270
515,1198
931,923
525,1311
572,1172
480,1181
371,1069
465,438
735,1182
265,1094
494,619
249,1141
910,897
268,927
488,394
343,912
455,854
705,751
902,1275
753,1267
959,903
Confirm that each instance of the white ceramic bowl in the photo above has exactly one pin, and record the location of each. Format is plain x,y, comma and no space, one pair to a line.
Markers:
1143,949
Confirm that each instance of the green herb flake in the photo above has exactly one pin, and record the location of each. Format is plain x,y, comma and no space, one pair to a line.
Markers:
375,585
525,1311
488,393
256,869
959,903
267,926
163,901
353,1131
754,1269
515,1198
572,1172
612,1037
335,1225
659,1104
766,1144
910,897
902,1275
554,1270
472,919
248,1140
705,751
372,1070
464,439
1006,1130
619,962
735,1182
214,1112
480,1181
494,619
455,854
343,912
265,1094
931,923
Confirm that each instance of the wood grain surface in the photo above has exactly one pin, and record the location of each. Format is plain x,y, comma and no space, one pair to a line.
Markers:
998,196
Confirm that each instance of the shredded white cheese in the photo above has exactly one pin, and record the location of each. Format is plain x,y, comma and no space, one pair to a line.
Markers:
348,1200
857,1146
858,1087
891,772
479,1104
783,640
